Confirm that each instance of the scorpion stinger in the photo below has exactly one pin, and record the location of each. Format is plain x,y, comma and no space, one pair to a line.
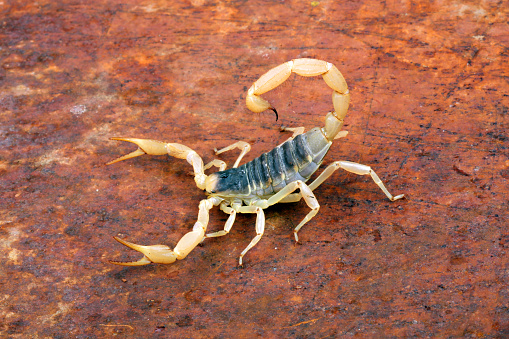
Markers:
276,176
275,112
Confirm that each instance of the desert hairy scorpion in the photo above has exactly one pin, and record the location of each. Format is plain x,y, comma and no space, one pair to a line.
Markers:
278,176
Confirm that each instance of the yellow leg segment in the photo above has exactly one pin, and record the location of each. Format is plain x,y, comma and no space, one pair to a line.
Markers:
356,168
242,145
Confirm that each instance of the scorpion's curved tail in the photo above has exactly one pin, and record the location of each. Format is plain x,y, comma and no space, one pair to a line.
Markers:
305,67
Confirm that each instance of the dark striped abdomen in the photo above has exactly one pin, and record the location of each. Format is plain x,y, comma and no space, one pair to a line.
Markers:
296,159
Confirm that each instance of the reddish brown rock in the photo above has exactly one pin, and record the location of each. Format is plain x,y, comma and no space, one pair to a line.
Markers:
429,107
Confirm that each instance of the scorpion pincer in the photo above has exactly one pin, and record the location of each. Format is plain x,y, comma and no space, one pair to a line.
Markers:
276,176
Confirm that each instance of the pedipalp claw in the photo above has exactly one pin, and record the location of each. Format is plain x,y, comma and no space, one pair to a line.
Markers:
145,146
141,262
134,154
159,254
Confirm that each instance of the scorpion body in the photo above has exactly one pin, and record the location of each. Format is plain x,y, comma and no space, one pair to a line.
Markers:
278,176
295,159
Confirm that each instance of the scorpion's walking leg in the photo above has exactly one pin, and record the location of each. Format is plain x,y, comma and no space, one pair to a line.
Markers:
162,254
242,145
237,207
231,219
220,164
286,193
356,168
296,130
260,227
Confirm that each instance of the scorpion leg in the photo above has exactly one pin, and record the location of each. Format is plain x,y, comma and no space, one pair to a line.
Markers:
285,195
341,134
260,227
162,254
294,197
296,131
236,207
242,145
231,219
356,168
220,164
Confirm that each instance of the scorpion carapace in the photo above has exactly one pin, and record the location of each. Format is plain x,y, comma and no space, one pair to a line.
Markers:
276,176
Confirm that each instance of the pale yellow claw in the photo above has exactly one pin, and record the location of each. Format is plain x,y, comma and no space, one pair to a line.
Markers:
134,154
159,254
145,146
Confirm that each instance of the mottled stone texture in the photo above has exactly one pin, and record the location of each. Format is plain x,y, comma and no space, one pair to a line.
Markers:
429,112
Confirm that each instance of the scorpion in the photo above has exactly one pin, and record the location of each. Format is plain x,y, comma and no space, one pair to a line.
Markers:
274,177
